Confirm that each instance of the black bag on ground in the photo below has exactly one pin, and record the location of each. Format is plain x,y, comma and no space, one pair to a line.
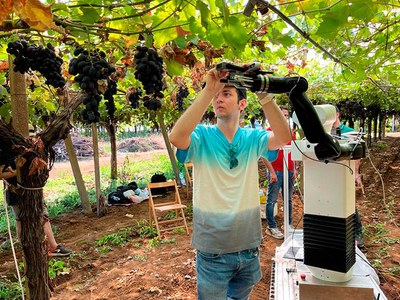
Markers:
158,178
117,197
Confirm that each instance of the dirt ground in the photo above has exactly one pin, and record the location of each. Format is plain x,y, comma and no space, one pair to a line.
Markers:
136,271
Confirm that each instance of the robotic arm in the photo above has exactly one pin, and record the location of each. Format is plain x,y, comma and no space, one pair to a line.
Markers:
252,78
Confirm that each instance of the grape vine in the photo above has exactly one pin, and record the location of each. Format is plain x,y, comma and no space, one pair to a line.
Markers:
37,58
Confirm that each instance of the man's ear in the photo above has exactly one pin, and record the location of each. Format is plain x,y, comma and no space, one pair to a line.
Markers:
242,104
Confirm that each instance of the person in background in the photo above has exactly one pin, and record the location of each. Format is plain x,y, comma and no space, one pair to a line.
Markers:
226,206
9,174
275,183
341,130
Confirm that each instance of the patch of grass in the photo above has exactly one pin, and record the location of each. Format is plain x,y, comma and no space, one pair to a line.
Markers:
377,263
143,227
179,231
3,220
380,145
395,271
153,243
58,267
376,232
105,249
123,236
140,257
169,241
10,290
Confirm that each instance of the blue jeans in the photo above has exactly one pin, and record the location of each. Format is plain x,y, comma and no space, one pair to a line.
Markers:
227,276
272,197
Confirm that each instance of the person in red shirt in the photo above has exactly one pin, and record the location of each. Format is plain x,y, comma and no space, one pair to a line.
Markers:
275,184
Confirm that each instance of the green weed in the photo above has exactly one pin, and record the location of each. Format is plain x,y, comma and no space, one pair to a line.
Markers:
58,267
143,227
140,257
377,263
179,231
105,249
380,145
395,271
153,243
10,290
3,220
169,241
123,236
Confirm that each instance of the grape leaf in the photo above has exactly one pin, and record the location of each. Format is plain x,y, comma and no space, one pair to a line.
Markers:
174,68
333,21
363,10
235,34
35,14
89,15
205,13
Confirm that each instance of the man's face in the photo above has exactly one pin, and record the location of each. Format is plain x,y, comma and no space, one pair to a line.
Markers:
225,103
285,113
337,121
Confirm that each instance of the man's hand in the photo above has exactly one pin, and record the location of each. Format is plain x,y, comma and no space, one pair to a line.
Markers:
272,177
213,80
358,180
294,175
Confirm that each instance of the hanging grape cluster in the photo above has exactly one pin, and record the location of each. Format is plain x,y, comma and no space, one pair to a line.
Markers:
90,67
149,71
133,96
182,93
37,58
151,102
109,96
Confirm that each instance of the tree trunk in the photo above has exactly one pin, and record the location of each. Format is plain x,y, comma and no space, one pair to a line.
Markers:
110,127
35,156
169,148
34,244
80,184
30,201
382,126
375,127
369,136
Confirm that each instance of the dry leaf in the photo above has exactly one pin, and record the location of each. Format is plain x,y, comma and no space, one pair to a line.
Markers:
35,14
37,166
6,8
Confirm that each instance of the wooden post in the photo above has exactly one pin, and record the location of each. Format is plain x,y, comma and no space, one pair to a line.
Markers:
80,184
19,105
97,169
169,148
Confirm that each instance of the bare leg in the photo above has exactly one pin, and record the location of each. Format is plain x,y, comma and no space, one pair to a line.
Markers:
50,235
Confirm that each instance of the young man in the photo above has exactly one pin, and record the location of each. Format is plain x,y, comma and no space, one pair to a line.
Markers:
226,207
9,175
342,129
275,184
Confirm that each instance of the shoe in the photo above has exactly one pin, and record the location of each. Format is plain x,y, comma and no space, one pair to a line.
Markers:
359,240
60,251
275,232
